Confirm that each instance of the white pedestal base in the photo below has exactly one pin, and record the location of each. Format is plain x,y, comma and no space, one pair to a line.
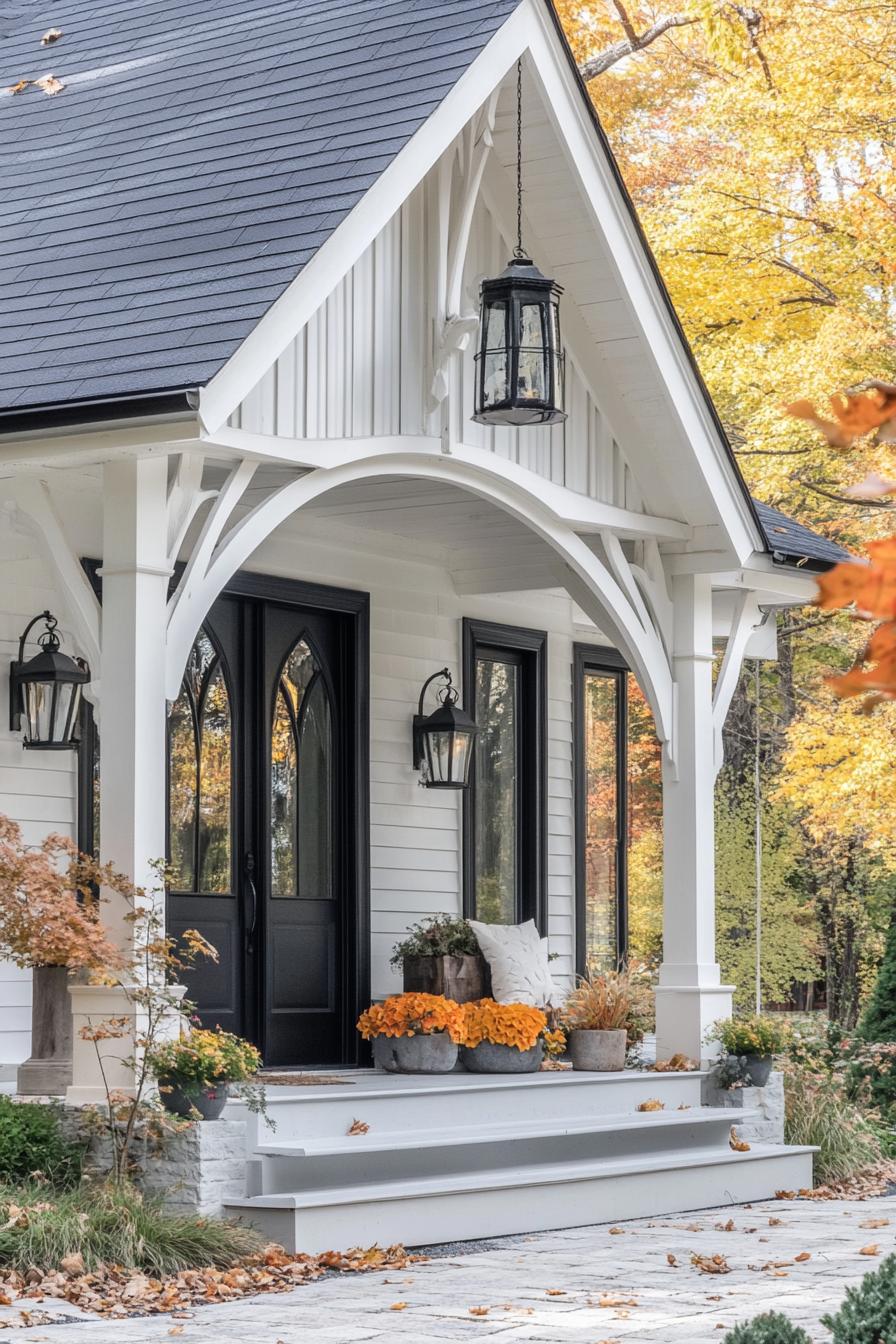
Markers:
684,1014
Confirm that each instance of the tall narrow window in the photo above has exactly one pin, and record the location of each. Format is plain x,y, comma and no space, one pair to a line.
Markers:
199,776
504,809
301,780
619,814
601,807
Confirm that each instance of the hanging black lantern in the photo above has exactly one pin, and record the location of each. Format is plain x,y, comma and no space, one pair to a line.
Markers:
519,358
443,740
46,691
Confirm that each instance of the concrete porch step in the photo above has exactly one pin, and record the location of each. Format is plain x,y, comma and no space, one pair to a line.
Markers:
325,1163
512,1199
417,1105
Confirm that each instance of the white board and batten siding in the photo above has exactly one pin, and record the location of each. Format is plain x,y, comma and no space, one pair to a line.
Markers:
37,789
363,364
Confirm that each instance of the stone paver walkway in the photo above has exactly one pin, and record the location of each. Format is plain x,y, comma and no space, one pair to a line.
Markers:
591,1285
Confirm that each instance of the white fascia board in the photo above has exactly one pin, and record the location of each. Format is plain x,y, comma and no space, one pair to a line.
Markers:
612,217
774,585
85,446
335,257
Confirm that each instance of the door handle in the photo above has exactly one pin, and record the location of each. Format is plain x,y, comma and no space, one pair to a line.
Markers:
249,871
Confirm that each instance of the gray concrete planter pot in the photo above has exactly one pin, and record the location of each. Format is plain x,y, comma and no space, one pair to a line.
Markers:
208,1100
48,1072
594,1051
435,1053
759,1068
486,1057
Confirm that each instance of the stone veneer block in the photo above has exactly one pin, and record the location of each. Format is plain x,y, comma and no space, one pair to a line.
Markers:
765,1127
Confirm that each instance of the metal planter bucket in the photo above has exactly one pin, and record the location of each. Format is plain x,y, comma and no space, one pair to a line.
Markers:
436,1053
597,1051
486,1057
208,1100
759,1068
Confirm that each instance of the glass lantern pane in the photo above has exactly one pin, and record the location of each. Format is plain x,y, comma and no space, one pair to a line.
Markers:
494,382
496,326
532,371
460,764
61,711
438,750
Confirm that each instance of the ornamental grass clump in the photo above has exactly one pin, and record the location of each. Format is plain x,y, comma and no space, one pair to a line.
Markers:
413,1015
770,1328
868,1314
818,1113
599,1002
111,1224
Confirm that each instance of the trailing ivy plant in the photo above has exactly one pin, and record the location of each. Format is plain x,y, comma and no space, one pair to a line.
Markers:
436,936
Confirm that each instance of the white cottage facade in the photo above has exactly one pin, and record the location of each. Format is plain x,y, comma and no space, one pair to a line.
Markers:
263,566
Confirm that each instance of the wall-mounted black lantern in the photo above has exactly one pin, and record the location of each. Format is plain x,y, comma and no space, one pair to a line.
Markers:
443,740
519,358
46,691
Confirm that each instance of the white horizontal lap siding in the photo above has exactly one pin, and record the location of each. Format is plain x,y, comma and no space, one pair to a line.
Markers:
37,789
416,834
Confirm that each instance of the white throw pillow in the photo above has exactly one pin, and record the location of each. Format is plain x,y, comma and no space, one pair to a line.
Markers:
518,960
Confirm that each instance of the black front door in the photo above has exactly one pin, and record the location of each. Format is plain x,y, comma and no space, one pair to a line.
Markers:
267,817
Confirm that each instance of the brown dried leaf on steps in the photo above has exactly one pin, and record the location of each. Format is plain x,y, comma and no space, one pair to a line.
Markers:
652,1104
683,1106
399,1306
803,1257
358,1127
875,1222
50,36
18,87
176,1330
50,85
711,1264
677,1063
873,1249
479,1311
607,1300
776,1222
671,1260
737,1145
726,1227
555,1292
617,1231
785,1194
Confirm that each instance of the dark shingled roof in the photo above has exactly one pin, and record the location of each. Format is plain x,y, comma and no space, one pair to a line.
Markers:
201,152
796,544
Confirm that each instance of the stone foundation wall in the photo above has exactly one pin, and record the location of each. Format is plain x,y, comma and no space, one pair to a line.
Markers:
768,1125
194,1171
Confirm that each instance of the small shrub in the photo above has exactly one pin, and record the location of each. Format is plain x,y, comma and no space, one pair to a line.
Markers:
868,1314
32,1143
114,1225
820,1113
771,1328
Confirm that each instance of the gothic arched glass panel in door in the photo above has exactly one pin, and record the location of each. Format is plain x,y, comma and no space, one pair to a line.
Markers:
301,780
200,776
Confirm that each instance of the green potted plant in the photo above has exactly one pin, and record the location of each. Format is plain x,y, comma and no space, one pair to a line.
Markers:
194,1071
755,1040
506,1037
440,955
414,1033
596,1016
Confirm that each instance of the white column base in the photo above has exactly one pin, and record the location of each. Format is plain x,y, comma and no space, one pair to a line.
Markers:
684,1014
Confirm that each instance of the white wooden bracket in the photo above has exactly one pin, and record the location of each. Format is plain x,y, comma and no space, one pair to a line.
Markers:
747,618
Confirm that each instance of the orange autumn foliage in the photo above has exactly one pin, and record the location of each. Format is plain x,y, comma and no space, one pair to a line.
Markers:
412,1015
857,412
516,1024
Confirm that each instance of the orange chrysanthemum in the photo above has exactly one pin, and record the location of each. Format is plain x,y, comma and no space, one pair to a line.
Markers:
413,1015
516,1024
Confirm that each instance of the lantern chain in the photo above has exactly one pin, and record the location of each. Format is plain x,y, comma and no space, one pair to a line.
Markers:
518,250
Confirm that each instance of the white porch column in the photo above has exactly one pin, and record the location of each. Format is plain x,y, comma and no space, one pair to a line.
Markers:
135,577
690,996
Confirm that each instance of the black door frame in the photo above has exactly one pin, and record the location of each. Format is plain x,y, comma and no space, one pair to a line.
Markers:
354,791
609,663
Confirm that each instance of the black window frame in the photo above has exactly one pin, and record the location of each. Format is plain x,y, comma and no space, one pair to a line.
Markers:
528,650
610,663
